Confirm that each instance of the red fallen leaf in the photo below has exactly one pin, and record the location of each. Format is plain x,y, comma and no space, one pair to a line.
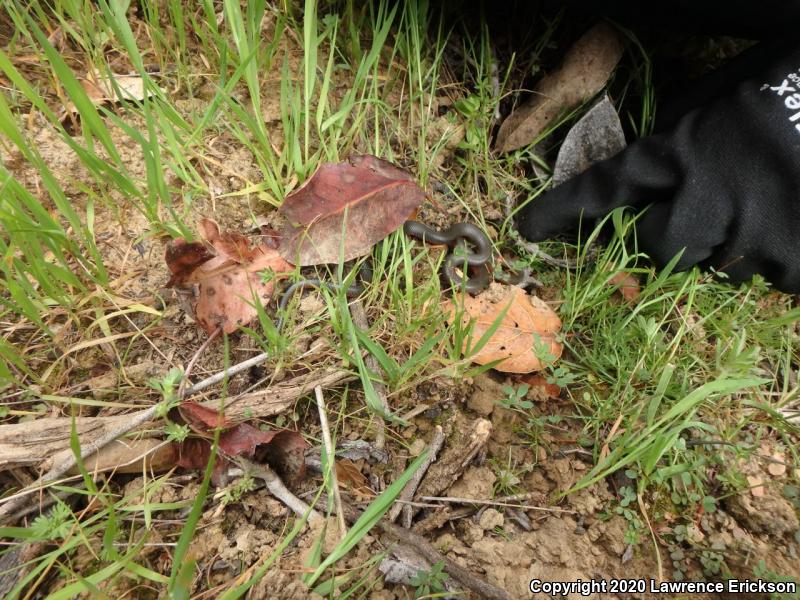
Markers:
183,258
243,440
628,286
201,418
194,454
287,454
283,449
372,195
223,283
540,388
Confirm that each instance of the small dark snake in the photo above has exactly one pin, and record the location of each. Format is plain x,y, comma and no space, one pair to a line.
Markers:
474,275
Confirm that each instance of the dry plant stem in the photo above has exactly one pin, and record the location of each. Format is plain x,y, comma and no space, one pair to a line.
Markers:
190,366
421,546
653,536
360,319
331,452
411,487
69,461
229,372
455,500
277,489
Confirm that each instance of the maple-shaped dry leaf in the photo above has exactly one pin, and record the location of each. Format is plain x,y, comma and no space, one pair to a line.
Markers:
529,326
345,208
583,73
225,279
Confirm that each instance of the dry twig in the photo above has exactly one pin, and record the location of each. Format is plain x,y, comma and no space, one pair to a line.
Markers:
277,489
411,487
331,452
421,546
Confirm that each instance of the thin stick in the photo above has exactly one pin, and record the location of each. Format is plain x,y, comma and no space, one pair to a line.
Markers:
418,544
189,367
653,536
69,461
411,487
455,500
229,372
331,452
277,489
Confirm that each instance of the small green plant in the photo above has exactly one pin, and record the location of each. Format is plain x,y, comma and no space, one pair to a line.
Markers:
167,386
234,492
430,582
515,397
761,571
509,476
635,525
561,376
55,525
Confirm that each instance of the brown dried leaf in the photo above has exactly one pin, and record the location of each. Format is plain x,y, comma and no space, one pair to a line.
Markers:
528,323
131,456
584,71
223,285
100,88
351,477
373,196
628,286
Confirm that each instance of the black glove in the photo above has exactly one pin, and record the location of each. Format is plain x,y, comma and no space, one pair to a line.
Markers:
723,183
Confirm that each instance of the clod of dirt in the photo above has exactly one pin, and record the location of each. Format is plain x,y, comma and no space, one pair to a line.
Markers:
756,486
491,518
771,513
485,395
476,482
776,469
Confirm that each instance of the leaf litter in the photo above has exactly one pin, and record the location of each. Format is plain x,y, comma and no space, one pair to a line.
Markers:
222,276
585,70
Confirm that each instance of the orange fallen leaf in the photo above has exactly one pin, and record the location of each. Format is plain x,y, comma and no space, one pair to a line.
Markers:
225,278
529,326
628,286
346,208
